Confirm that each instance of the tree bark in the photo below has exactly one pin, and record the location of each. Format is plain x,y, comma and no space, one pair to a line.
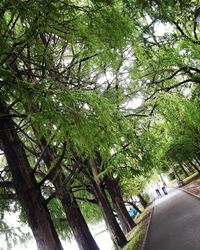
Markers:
26,187
114,190
73,213
197,160
178,178
142,200
113,227
188,167
194,166
77,222
164,184
183,169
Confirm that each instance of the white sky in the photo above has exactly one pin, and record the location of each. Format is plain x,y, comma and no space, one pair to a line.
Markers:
134,103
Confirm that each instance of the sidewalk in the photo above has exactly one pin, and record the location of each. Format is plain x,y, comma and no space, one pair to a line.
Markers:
175,223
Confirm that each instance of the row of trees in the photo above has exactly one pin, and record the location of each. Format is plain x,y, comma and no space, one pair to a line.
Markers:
62,132
70,143
169,79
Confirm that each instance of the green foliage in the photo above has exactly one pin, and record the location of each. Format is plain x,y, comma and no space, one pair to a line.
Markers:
59,219
67,71
171,176
137,236
91,212
146,197
13,236
132,186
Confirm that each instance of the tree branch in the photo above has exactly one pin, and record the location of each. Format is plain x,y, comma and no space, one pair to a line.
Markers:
54,171
86,200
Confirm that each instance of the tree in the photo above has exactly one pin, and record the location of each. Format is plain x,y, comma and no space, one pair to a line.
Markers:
35,48
53,59
118,203
26,186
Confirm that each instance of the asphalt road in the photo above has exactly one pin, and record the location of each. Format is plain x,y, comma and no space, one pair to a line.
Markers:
175,223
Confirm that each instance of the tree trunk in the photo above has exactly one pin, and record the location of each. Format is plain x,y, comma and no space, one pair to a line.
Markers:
132,203
112,225
126,221
73,213
178,178
142,200
164,184
183,169
197,160
188,167
136,208
114,228
77,222
194,166
26,187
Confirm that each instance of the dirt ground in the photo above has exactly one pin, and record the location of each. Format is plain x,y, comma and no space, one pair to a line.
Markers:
193,186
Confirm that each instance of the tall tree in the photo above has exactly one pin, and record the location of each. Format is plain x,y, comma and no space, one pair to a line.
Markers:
114,190
26,186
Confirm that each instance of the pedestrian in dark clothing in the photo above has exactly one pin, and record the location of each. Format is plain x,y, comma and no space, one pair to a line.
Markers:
158,192
164,190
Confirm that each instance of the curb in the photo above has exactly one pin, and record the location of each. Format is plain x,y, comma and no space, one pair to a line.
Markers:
188,192
149,223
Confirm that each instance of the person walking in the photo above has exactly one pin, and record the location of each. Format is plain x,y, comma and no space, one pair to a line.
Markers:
158,192
164,190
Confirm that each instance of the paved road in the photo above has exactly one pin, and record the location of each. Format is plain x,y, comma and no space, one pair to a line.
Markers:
175,223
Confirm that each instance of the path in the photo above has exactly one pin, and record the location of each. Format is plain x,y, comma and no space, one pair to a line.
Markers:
175,223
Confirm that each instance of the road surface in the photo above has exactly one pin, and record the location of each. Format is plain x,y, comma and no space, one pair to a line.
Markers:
175,223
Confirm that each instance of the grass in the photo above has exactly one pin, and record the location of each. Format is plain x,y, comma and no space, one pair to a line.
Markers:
137,236
187,179
191,177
